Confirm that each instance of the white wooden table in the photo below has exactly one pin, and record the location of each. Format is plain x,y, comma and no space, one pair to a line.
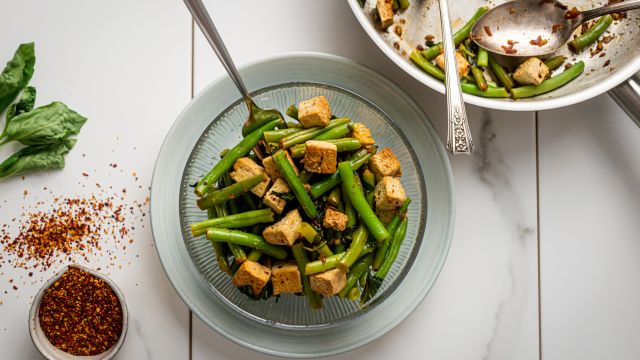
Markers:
545,260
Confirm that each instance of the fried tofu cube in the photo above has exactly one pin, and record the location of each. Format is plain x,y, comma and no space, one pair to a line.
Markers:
329,282
385,163
314,112
272,200
335,220
321,157
531,72
363,134
461,61
252,274
389,193
271,168
385,215
245,168
385,10
285,278
285,231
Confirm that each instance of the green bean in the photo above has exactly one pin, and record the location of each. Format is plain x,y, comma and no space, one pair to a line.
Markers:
230,192
394,249
238,151
392,227
369,247
555,62
354,294
348,208
483,57
292,112
310,133
576,45
368,180
478,75
315,300
501,74
234,221
550,84
254,255
466,51
311,235
356,160
272,136
305,176
344,144
297,187
327,263
472,89
248,240
224,152
359,202
432,52
404,4
236,250
294,125
395,5
360,267
352,254
218,249
335,133
334,197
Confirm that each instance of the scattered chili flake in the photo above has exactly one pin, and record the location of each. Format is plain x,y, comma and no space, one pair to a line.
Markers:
420,47
487,29
80,314
509,49
607,39
567,66
398,30
512,10
396,45
556,27
572,14
540,42
606,63
25,193
85,174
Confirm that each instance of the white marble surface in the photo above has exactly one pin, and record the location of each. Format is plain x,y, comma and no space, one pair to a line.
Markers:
559,192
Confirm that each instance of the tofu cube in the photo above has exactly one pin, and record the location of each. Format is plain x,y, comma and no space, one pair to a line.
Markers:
385,10
461,61
385,163
285,278
245,168
271,168
389,193
531,72
285,231
335,220
272,200
314,112
329,282
321,157
252,274
363,134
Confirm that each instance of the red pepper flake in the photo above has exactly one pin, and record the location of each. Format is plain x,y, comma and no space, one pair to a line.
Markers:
556,27
80,314
487,29
606,63
25,193
85,174
567,66
572,14
509,49
396,45
512,10
540,42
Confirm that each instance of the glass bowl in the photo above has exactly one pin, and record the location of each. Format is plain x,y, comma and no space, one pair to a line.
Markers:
211,122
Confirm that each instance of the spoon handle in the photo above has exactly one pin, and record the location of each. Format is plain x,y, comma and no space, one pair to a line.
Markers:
458,133
202,18
609,9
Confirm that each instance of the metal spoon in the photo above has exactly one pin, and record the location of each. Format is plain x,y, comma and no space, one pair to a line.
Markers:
458,133
257,117
524,22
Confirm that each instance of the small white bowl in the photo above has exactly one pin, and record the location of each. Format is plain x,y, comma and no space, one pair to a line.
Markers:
51,352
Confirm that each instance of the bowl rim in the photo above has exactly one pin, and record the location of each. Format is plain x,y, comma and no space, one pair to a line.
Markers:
190,300
601,87
45,348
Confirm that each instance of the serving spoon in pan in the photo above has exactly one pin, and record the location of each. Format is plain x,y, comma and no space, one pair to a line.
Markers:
257,116
527,28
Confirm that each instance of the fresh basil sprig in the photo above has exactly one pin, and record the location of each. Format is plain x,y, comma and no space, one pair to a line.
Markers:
45,125
36,158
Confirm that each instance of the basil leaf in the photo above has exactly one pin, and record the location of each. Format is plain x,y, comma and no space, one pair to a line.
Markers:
16,74
36,158
45,125
25,104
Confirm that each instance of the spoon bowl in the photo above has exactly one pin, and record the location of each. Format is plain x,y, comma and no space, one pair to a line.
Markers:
527,28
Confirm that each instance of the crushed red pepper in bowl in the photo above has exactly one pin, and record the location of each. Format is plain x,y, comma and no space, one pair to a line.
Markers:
81,314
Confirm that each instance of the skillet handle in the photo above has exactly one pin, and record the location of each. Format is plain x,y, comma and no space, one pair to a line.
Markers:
627,95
